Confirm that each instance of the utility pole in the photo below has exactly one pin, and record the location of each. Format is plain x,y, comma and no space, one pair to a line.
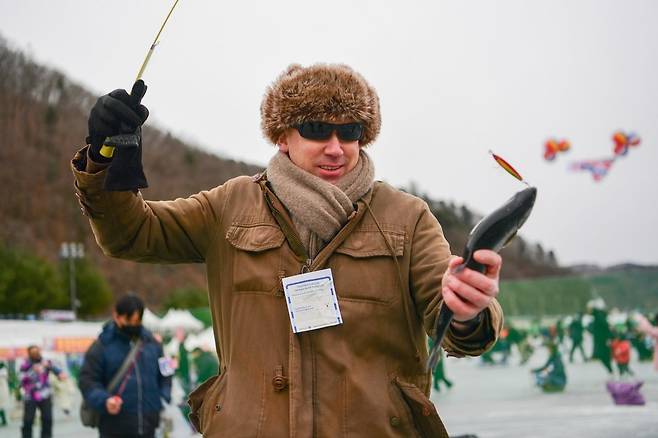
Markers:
72,251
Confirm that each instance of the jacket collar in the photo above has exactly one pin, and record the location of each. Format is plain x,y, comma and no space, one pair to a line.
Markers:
282,217
112,332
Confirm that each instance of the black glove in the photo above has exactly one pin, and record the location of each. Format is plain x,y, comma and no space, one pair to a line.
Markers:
116,120
115,113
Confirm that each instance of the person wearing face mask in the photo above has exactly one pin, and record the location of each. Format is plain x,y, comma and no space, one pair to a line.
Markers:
323,282
35,373
127,355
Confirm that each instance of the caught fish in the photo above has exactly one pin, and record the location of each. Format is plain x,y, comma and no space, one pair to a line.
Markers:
492,232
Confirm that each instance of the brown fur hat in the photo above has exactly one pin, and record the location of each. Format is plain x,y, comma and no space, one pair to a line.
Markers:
321,92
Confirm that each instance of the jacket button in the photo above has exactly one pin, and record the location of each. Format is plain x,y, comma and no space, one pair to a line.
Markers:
279,383
218,407
395,421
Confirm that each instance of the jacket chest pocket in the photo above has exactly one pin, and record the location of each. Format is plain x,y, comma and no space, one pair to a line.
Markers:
256,257
363,266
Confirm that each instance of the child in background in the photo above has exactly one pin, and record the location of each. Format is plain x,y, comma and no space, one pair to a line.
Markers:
621,353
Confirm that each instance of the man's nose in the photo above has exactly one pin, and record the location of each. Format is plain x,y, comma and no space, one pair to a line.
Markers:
333,146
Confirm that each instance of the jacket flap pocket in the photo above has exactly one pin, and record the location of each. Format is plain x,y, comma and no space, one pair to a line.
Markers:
370,243
195,400
423,411
255,238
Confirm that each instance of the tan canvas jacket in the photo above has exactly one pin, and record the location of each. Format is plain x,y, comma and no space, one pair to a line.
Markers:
363,378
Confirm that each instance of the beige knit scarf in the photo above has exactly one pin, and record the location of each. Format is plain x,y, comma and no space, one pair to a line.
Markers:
318,208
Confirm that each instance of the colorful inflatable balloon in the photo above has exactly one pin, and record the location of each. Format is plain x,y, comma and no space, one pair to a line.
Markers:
598,168
623,141
553,146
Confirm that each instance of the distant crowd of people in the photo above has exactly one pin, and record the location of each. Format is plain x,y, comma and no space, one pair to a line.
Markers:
611,345
124,379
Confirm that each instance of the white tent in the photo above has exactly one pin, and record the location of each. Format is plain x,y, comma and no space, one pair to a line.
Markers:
204,340
21,333
180,319
151,321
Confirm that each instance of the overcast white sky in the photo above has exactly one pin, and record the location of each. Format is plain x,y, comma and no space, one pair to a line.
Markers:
455,79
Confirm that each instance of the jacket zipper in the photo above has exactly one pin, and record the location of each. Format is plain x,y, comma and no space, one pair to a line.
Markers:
140,419
293,239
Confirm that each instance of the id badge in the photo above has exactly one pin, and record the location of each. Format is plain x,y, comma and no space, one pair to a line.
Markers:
311,301
166,366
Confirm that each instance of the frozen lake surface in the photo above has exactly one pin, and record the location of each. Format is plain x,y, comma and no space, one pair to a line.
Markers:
501,401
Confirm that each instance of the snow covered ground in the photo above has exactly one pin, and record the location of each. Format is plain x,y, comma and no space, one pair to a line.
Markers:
501,401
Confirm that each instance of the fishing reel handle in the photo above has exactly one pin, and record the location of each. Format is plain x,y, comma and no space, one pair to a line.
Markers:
111,143
120,140
127,140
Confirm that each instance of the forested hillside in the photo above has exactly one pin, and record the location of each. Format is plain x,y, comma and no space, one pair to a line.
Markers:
43,122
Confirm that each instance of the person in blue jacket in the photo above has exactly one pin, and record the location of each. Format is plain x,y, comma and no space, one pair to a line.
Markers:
133,407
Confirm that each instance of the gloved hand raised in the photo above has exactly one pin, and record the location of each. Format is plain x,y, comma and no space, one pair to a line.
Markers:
115,113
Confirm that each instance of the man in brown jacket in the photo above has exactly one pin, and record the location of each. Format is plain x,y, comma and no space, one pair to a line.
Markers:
340,350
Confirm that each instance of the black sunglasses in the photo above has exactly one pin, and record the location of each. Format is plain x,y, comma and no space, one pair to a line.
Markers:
323,130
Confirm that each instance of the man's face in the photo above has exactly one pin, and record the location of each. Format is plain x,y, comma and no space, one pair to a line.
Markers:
35,354
328,159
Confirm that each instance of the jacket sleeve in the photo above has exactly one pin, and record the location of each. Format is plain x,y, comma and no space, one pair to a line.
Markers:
90,381
55,369
128,227
430,254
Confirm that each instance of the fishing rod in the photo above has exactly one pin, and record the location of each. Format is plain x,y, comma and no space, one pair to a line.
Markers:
107,150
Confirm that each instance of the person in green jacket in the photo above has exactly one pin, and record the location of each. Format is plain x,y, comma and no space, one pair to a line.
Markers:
638,341
602,335
576,335
552,376
519,337
183,370
205,363
438,373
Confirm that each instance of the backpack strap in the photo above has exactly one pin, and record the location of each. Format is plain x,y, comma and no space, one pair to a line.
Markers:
407,303
127,362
